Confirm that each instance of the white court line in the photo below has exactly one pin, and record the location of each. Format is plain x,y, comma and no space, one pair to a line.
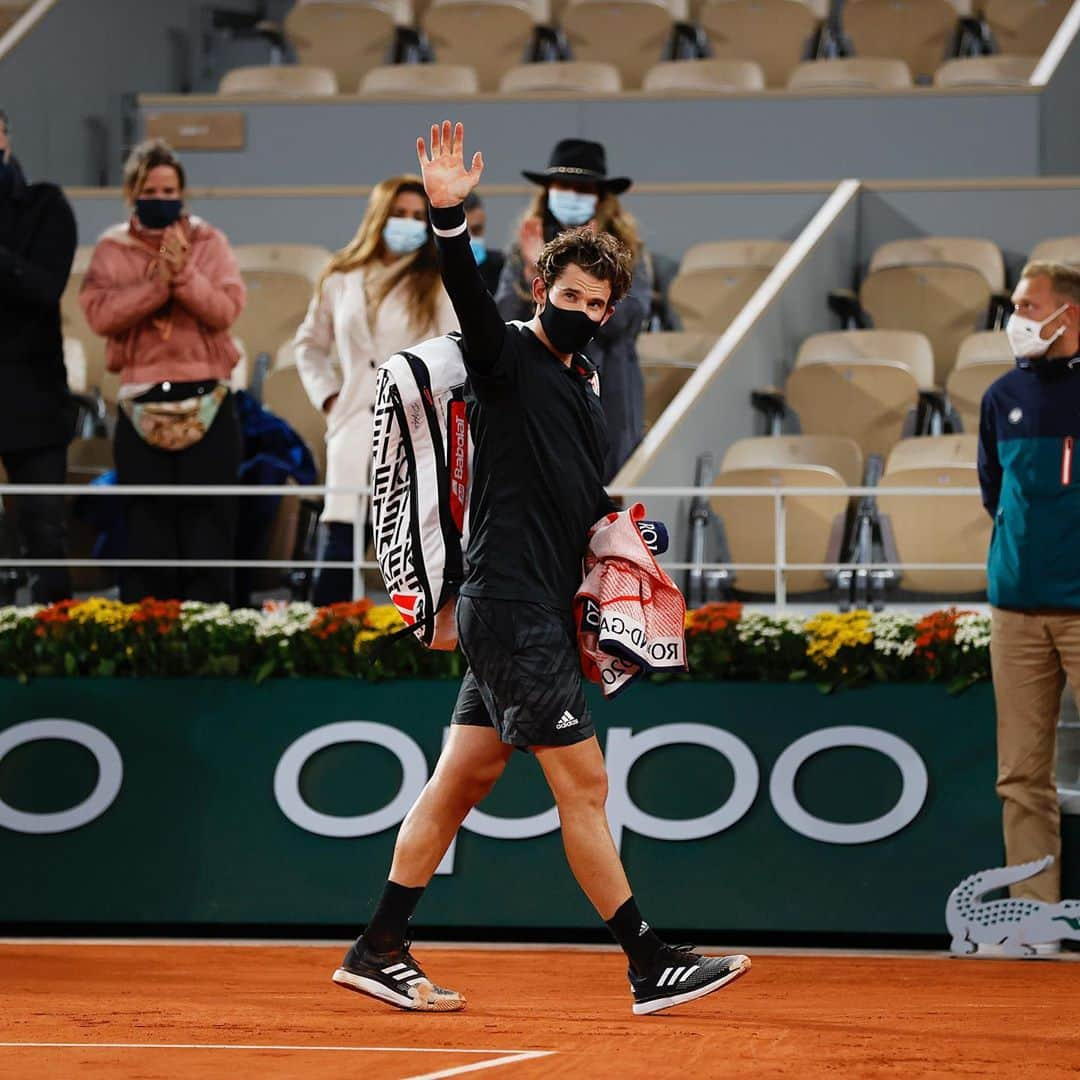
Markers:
507,1057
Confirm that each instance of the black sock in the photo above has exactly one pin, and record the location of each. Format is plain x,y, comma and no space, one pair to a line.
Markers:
386,930
638,941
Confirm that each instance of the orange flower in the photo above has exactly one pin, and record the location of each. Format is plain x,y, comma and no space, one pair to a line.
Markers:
713,618
330,619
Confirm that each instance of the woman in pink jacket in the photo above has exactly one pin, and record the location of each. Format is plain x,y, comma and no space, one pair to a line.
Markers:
164,288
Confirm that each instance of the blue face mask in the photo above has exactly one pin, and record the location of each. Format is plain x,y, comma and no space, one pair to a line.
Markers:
571,208
404,235
479,248
158,213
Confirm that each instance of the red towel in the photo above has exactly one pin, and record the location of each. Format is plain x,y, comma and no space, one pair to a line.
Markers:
629,614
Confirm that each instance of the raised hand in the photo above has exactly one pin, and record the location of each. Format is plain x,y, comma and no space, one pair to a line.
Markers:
446,180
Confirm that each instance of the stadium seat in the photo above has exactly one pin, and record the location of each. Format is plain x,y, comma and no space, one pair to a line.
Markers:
565,77
667,359
1024,27
75,364
280,80
941,286
283,393
855,74
490,35
10,11
348,36
986,71
862,384
280,280
631,34
1062,249
774,33
936,528
919,32
814,523
420,80
716,279
704,76
983,357
74,325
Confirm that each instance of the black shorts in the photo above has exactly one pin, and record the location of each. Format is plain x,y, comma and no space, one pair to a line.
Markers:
524,676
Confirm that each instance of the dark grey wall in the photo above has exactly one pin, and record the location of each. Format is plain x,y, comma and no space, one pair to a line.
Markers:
76,65
1057,116
771,137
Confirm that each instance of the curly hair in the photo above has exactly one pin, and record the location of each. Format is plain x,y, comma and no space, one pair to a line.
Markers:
599,254
146,156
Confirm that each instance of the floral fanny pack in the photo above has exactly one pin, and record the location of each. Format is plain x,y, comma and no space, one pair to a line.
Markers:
175,425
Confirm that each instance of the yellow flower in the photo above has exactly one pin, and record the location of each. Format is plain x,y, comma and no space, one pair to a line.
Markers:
830,632
383,618
111,614
363,638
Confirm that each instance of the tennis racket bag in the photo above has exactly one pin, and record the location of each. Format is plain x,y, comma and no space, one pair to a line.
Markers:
421,462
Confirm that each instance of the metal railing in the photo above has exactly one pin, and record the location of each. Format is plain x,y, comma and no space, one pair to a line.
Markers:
779,566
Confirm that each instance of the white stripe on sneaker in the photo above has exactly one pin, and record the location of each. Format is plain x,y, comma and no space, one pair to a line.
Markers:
392,968
675,978
418,979
406,974
689,972
660,981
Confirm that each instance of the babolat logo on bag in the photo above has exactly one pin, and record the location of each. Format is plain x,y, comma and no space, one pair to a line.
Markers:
421,462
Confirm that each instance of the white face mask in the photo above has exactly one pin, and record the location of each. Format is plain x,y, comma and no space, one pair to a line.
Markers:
1025,335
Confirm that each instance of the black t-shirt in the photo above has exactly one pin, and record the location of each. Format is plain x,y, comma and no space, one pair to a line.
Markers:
539,441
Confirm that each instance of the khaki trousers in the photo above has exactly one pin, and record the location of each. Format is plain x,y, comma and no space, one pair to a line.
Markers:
1031,655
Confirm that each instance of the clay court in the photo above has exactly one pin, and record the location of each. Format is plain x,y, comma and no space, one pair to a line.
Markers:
162,1012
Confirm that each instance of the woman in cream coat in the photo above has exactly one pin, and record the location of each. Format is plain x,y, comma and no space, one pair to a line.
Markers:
379,294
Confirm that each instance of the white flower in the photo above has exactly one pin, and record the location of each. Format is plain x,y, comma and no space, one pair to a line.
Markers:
894,633
972,631
761,630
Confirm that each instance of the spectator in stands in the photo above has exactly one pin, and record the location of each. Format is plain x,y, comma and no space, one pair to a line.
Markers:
1029,438
378,294
576,190
164,288
488,259
37,244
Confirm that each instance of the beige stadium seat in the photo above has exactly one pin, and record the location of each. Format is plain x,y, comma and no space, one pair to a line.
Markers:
716,279
280,280
986,71
1062,249
491,36
861,384
983,358
835,452
854,74
74,325
945,529
280,80
814,523
941,286
1024,27
75,365
564,77
348,36
667,359
420,80
283,394
704,77
919,32
773,33
631,34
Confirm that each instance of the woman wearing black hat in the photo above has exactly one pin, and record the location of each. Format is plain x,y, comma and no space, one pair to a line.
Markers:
576,190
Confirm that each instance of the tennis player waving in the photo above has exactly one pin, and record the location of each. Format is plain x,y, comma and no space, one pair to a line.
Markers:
539,443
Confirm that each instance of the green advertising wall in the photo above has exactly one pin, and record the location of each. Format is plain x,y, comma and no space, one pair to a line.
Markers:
196,831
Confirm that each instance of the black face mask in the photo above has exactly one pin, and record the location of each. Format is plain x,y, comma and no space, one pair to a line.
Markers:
158,213
568,331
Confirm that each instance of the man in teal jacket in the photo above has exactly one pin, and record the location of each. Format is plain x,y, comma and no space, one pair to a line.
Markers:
1028,434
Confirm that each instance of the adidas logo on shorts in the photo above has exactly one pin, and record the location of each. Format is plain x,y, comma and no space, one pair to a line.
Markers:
565,721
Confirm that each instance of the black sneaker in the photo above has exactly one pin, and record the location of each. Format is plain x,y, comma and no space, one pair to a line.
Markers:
395,978
682,975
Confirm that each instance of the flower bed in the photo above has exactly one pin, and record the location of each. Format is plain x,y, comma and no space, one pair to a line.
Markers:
106,639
